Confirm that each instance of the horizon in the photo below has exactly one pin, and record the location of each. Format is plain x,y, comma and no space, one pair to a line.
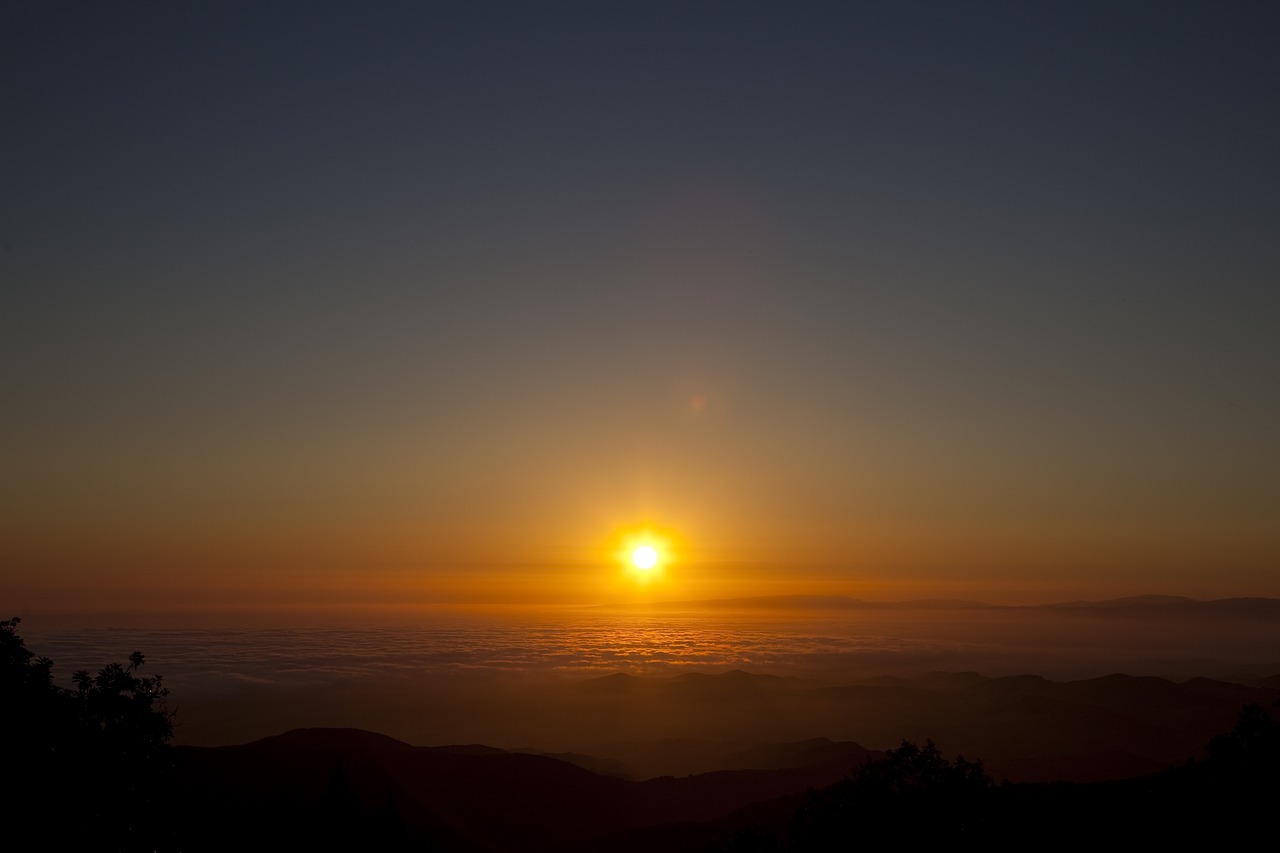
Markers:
266,614
618,685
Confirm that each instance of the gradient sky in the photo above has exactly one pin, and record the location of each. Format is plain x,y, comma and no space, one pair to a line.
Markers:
434,302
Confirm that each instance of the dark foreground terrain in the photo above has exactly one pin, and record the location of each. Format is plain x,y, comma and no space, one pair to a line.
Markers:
91,768
349,789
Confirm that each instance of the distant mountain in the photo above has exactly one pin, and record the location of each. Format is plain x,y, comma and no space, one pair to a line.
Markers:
805,602
1258,607
1130,601
813,602
1027,728
815,752
322,786
347,789
931,681
603,766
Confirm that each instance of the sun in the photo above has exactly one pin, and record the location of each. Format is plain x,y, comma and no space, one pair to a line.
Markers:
645,557
645,554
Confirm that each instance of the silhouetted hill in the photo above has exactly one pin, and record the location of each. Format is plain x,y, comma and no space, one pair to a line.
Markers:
455,799
1027,728
349,789
814,752
603,766
931,681
334,789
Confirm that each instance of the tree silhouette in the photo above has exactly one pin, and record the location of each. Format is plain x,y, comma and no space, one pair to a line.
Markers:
912,770
35,720
1252,746
1242,773
912,786
92,763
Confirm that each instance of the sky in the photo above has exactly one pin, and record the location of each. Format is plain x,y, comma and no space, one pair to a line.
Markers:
403,304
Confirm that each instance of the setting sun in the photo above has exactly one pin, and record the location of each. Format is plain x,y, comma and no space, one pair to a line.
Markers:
645,557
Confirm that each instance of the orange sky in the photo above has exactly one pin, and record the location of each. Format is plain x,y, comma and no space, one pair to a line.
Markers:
856,302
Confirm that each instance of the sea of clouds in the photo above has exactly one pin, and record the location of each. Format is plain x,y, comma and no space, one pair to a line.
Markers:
210,656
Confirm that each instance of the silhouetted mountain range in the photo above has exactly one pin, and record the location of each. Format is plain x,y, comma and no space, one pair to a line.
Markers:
1027,728
468,798
707,762
331,789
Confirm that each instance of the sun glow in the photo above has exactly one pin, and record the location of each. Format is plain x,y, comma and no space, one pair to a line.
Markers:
645,557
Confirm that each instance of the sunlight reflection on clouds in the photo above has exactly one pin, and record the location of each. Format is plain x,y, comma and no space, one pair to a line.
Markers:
207,658
581,645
